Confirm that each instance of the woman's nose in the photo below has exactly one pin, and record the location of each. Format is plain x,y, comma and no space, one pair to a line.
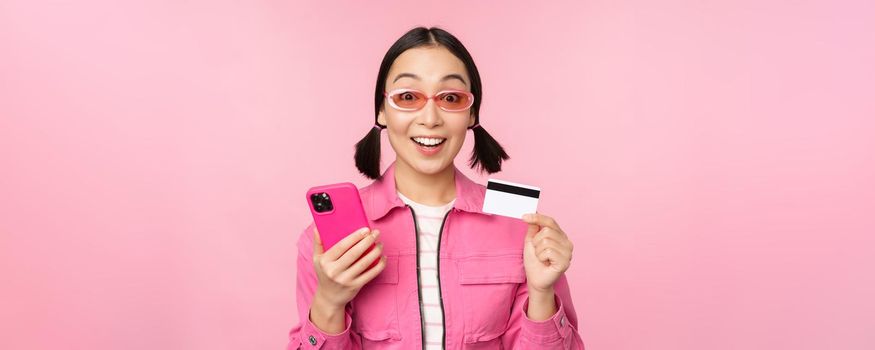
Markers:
430,115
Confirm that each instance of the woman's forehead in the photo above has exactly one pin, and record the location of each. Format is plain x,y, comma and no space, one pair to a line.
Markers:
428,65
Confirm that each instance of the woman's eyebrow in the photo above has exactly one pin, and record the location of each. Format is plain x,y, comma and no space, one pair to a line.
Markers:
414,76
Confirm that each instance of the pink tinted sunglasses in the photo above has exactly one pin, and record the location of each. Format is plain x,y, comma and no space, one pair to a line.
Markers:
413,100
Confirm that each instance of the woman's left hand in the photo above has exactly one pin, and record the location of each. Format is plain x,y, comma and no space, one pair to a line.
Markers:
547,252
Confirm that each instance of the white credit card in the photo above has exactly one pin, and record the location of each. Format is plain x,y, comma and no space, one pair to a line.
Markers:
510,199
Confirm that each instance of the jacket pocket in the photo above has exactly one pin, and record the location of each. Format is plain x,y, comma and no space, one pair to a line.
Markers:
489,283
375,307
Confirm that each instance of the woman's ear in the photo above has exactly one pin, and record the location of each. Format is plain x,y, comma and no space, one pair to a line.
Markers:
381,118
471,120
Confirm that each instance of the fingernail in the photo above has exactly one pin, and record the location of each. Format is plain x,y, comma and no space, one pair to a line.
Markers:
527,217
365,231
376,234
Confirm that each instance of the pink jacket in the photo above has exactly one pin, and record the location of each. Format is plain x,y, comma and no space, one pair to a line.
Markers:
481,275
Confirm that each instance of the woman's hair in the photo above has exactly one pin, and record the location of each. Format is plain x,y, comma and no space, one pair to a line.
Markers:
487,153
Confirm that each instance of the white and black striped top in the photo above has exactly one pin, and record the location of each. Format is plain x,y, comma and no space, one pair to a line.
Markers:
429,220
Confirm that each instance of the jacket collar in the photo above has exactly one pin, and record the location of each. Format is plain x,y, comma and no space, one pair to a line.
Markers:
383,196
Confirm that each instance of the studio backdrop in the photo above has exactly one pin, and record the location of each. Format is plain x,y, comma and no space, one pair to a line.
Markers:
712,161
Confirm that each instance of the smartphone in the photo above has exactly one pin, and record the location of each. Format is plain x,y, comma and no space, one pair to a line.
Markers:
337,212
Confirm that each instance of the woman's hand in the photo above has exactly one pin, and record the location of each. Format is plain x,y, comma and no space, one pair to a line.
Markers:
342,271
547,252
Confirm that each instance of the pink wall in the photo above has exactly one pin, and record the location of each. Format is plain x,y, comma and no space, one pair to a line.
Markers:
713,162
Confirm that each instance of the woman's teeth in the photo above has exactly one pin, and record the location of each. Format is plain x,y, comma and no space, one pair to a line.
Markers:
427,141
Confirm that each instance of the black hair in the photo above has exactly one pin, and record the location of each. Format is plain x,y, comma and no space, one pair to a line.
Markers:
487,154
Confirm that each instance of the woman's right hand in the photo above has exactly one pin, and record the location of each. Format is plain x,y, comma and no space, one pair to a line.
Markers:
342,274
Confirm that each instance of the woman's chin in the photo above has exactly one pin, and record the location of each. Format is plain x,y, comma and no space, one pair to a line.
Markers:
430,166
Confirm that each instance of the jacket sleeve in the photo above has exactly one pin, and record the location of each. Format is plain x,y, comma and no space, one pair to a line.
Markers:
305,335
560,331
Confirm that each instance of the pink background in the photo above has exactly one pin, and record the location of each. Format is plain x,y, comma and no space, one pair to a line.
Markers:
713,161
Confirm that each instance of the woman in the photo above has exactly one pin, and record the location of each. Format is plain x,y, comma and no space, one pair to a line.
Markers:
448,275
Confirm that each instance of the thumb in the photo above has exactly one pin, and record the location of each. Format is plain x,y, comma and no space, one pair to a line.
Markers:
317,243
529,246
531,232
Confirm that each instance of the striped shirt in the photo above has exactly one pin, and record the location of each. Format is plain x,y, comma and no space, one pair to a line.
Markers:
428,221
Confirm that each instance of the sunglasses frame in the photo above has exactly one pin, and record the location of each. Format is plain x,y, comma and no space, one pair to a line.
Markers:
434,97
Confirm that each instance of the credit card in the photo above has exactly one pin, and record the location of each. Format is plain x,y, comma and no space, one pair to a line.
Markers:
510,199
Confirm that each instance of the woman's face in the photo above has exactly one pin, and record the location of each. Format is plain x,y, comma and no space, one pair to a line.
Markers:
429,69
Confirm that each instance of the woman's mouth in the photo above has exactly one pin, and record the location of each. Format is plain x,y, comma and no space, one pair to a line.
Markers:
428,145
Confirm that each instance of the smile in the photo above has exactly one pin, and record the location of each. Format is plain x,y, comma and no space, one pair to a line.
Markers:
429,145
428,141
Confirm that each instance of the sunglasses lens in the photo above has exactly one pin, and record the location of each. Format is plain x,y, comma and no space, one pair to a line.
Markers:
454,101
409,99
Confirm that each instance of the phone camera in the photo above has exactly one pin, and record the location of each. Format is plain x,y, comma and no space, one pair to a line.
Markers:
321,202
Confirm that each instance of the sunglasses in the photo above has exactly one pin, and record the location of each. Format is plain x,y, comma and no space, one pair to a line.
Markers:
413,100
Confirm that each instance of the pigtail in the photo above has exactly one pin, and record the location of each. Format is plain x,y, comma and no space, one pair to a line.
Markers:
367,153
488,153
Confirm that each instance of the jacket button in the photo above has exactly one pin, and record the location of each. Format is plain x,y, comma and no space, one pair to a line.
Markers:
312,340
562,321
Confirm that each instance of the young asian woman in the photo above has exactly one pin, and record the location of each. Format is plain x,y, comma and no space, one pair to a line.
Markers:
449,276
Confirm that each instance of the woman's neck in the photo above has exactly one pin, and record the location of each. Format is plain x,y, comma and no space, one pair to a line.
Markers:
428,189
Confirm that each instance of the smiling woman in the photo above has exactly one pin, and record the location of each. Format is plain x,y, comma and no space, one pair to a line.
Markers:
445,274
429,60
